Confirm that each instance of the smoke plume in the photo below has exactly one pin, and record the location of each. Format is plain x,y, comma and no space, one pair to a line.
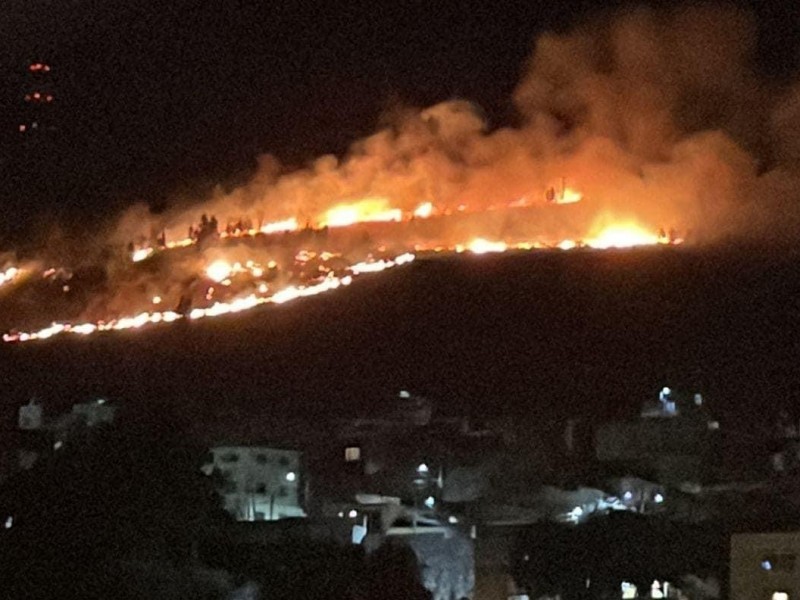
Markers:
654,115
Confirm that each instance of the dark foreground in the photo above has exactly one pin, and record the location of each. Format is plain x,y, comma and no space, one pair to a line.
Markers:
544,335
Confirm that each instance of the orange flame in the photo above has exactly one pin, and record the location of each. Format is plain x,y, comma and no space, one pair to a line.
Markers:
9,275
623,235
328,283
369,210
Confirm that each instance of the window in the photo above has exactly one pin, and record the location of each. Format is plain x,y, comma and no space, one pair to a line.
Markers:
283,461
228,484
262,459
261,488
778,563
779,596
230,457
352,454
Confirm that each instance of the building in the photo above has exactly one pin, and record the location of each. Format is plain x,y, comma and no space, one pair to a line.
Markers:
38,434
259,483
404,450
764,566
97,412
674,440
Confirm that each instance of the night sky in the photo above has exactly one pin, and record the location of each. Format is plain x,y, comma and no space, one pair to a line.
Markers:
156,100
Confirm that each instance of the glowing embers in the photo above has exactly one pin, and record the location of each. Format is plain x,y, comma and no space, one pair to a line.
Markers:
424,210
326,284
280,226
381,265
141,254
284,226
219,270
481,246
9,275
369,210
623,235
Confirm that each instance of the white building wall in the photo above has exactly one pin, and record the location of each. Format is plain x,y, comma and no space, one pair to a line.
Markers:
261,483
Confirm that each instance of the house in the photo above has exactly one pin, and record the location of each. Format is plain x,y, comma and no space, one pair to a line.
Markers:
674,440
259,483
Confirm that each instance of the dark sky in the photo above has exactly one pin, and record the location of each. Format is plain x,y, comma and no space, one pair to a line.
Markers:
158,97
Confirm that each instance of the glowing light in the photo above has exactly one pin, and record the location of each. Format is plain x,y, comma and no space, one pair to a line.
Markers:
623,236
353,513
9,275
430,501
424,210
481,246
239,286
219,271
568,196
180,243
280,226
566,245
291,476
370,210
141,254
629,590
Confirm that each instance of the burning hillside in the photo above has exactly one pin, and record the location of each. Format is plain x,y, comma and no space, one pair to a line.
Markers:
213,272
645,130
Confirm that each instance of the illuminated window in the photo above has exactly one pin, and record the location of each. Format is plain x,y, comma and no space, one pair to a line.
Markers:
779,563
352,454
779,596
629,591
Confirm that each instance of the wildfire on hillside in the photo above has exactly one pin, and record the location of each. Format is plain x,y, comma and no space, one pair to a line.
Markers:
618,140
213,273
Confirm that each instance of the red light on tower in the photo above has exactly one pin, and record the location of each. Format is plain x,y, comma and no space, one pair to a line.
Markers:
36,92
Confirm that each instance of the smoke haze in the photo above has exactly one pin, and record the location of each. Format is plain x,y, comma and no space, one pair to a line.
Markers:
653,115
